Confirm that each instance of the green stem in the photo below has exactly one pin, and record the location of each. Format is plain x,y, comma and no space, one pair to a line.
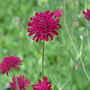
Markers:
48,69
64,9
85,5
16,79
72,75
86,23
88,39
75,47
73,32
84,69
43,59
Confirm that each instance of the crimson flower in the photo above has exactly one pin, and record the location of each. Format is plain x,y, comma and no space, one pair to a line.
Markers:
8,63
87,14
42,85
58,13
43,25
22,84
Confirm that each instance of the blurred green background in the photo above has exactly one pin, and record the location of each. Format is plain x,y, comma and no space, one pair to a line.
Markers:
59,68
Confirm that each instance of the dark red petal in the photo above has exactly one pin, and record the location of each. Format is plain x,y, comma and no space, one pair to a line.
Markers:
46,38
40,81
52,14
58,26
84,12
32,18
34,37
51,37
36,14
47,12
30,34
88,10
37,38
55,33
57,20
45,79
41,38
29,29
29,24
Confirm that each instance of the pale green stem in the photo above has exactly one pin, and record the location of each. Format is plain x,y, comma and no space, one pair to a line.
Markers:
43,59
85,5
72,75
74,16
70,35
86,22
75,46
72,65
88,39
81,45
82,61
76,51
84,69
64,9
16,79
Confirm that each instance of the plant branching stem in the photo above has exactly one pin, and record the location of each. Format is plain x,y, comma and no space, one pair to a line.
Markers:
75,46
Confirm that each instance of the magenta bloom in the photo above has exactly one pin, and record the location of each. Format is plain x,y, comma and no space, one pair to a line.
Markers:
58,13
42,85
87,14
8,63
43,25
23,84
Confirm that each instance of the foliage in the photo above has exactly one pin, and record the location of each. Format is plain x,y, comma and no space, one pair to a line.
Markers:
60,68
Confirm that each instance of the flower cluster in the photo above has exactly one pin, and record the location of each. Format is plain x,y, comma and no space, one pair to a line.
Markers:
42,85
43,25
21,83
8,63
13,62
87,14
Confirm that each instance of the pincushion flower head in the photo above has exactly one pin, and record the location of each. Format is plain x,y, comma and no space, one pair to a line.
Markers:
8,63
58,13
22,83
43,85
43,26
87,14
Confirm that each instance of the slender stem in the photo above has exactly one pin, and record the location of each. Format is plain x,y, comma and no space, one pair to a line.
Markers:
70,36
74,17
16,79
76,50
48,68
74,46
72,65
72,73
64,9
86,23
85,5
84,69
88,39
43,59
82,61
